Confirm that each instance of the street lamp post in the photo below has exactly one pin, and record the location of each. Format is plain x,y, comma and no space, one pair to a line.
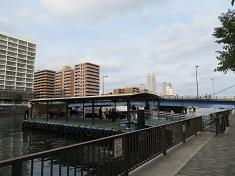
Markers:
104,76
196,66
213,82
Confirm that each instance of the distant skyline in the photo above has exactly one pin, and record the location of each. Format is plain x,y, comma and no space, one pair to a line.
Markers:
127,38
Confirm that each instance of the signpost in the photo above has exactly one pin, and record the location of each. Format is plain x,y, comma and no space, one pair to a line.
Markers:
118,151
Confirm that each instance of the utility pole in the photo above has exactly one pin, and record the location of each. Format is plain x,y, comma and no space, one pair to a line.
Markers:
196,66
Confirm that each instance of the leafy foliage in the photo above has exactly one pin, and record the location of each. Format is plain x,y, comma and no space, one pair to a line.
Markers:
225,35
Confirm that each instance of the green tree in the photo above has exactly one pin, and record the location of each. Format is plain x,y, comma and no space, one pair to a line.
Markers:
225,35
232,2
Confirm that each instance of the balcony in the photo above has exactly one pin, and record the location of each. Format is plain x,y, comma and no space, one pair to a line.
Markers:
13,45
23,43
3,37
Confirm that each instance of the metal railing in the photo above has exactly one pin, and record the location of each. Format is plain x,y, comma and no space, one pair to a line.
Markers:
218,98
114,155
216,122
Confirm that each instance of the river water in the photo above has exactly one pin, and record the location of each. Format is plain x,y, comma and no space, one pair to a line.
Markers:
15,142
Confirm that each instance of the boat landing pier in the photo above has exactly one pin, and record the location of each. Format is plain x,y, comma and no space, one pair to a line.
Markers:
94,116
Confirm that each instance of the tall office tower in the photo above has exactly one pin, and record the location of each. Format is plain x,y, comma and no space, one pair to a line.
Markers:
17,57
151,82
58,85
87,79
167,89
64,82
44,84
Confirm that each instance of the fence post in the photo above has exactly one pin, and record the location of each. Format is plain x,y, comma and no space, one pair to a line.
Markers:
195,126
125,157
217,124
223,123
183,131
227,120
16,169
163,141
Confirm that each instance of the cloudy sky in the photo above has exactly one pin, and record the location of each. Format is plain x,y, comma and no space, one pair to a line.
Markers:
128,38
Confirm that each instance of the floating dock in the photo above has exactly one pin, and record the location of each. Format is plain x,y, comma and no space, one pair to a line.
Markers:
71,129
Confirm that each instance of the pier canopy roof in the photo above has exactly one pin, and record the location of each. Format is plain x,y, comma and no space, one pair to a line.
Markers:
110,98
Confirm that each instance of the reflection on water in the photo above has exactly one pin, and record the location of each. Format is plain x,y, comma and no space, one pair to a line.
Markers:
15,142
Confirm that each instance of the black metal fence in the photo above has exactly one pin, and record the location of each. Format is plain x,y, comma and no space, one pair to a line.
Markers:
221,122
114,155
216,122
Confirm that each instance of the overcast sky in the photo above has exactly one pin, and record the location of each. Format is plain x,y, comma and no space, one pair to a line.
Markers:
127,38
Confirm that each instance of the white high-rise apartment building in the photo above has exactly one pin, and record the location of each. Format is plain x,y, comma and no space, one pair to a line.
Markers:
167,89
151,83
17,57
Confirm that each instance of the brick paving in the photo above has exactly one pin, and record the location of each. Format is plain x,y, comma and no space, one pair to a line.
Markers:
217,158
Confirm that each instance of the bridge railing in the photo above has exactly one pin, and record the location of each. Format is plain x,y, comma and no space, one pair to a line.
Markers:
114,155
225,98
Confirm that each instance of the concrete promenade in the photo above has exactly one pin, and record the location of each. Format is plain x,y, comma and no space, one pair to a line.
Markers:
217,158
205,155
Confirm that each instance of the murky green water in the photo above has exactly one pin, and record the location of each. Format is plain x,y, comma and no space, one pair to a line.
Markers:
16,142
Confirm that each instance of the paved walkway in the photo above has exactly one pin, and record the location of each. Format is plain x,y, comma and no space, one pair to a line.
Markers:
217,158
203,155
175,159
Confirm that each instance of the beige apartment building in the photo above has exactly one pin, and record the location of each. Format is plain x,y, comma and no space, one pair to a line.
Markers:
58,85
64,82
129,90
86,79
44,84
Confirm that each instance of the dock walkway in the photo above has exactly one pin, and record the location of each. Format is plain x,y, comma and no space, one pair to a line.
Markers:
205,155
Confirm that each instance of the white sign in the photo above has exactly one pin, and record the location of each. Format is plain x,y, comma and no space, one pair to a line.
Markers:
118,147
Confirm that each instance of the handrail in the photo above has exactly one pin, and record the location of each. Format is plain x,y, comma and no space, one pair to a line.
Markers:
211,98
150,142
51,151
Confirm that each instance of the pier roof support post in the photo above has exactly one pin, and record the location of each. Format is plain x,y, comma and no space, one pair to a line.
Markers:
31,111
158,104
93,112
115,109
128,112
115,106
83,110
47,109
67,114
147,106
